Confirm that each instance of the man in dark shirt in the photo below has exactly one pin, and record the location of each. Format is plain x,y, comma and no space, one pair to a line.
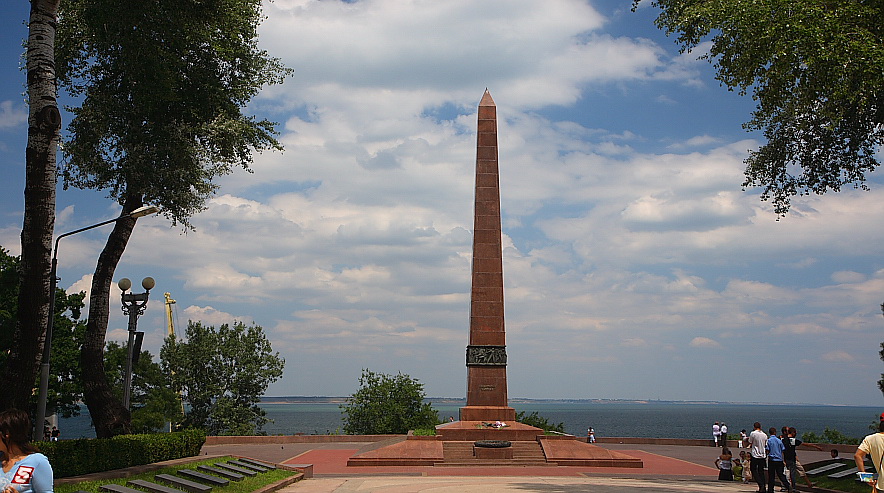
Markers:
795,468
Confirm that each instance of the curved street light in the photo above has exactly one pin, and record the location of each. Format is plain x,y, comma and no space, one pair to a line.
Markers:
53,285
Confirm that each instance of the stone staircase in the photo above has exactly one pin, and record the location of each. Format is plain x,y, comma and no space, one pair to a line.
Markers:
524,454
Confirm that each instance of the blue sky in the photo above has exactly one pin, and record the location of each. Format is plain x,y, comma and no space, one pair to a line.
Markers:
635,266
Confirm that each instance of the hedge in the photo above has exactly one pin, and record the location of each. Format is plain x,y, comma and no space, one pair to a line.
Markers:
88,455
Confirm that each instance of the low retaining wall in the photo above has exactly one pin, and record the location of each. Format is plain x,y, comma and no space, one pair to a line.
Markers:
685,442
223,440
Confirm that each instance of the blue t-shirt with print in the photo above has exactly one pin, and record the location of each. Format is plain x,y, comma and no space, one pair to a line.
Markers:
33,474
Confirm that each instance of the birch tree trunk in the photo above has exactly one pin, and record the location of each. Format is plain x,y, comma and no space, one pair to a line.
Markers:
44,122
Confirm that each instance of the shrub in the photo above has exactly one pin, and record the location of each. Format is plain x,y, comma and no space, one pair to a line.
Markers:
88,455
536,420
829,436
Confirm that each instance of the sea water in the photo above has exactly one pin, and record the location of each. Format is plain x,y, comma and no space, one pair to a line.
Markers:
612,419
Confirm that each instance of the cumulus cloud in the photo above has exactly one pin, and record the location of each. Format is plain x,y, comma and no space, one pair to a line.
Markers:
211,316
12,114
704,342
626,232
838,357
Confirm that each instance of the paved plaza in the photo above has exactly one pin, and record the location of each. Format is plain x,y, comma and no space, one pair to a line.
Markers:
667,468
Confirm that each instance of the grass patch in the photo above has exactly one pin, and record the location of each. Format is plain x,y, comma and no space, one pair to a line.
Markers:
849,484
247,485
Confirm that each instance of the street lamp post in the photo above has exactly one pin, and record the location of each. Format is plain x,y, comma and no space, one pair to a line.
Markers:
50,324
134,305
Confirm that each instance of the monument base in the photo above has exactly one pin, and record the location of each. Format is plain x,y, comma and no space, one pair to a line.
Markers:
476,430
487,413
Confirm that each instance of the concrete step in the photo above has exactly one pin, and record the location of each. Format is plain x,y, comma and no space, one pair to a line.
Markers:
495,462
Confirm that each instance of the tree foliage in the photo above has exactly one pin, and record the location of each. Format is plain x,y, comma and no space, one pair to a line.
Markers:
816,69
160,88
65,389
387,404
152,401
222,374
829,436
536,420
881,381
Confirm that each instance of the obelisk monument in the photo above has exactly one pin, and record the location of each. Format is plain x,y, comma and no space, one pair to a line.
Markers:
486,352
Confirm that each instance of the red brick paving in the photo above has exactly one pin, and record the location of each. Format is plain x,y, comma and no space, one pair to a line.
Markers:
334,462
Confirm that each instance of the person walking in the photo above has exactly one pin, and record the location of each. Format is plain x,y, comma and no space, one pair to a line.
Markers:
775,464
758,455
24,469
872,445
790,456
716,434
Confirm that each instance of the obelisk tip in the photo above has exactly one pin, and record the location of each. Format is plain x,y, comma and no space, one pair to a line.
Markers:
486,99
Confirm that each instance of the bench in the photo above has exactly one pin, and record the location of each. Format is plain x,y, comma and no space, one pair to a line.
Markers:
258,463
238,470
184,484
153,487
205,478
246,465
117,488
844,473
826,468
221,472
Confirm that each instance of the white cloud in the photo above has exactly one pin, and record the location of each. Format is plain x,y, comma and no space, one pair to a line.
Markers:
211,316
838,357
704,342
13,114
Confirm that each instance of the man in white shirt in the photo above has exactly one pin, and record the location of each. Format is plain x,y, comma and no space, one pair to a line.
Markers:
757,443
716,434
872,445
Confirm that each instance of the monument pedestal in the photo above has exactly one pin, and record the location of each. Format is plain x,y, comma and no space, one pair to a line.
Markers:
470,431
487,413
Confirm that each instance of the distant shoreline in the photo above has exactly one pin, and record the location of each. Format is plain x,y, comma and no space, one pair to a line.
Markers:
270,400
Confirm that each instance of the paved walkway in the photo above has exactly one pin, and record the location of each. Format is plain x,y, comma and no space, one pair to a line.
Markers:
667,468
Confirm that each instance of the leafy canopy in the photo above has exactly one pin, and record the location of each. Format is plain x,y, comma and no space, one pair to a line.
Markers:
536,420
65,387
816,70
387,404
161,86
153,403
222,374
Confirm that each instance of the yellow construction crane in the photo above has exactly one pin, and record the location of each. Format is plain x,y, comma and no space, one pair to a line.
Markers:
169,318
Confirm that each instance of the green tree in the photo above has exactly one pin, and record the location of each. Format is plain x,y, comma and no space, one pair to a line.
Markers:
153,402
816,69
829,436
222,374
881,381
161,86
387,404
65,389
538,421
44,122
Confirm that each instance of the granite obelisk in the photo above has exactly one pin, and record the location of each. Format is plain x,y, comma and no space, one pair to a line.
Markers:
486,352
